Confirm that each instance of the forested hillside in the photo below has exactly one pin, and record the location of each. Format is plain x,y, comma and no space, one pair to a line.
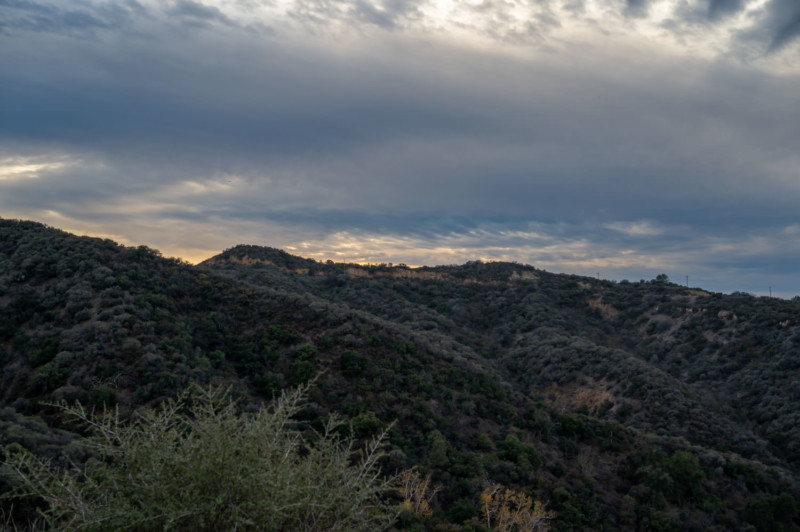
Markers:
622,406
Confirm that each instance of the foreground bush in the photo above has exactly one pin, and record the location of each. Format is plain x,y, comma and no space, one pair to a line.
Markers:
197,464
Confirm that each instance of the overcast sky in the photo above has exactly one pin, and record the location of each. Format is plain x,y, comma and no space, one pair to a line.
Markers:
624,138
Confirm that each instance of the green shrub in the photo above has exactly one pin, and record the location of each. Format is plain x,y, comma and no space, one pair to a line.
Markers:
302,372
197,464
366,424
353,364
772,513
268,383
103,397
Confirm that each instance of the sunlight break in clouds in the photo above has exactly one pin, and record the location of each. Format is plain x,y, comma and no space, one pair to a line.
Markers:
17,167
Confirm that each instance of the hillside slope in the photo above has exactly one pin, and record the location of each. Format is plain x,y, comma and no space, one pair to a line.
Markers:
721,371
622,406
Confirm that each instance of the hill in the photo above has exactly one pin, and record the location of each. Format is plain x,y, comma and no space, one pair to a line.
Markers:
632,405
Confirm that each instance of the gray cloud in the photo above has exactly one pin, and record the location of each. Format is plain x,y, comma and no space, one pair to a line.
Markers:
761,29
198,14
575,6
772,28
440,135
637,8
81,20
718,9
623,161
389,13
783,22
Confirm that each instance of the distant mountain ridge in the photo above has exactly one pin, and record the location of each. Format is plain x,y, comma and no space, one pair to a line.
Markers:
624,406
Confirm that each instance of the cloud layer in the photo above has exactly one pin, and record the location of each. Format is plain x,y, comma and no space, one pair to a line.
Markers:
627,138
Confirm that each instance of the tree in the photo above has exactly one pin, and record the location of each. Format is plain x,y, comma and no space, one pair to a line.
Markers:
198,464
438,449
505,510
684,468
772,513
416,492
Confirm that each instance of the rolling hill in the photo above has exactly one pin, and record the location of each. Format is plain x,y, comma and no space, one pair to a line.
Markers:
624,406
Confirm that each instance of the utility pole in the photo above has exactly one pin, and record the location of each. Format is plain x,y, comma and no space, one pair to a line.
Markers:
687,281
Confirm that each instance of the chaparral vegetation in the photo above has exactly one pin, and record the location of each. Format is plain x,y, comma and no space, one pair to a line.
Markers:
264,391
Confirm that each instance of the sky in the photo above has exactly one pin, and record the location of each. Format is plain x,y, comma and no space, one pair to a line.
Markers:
612,138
